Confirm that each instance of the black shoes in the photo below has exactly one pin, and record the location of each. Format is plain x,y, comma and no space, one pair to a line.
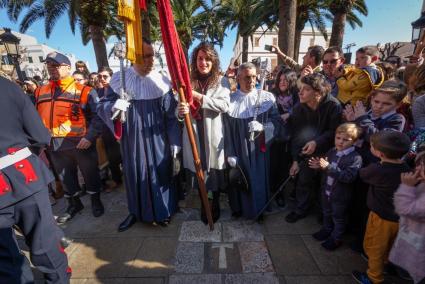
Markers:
321,235
96,205
74,206
293,217
331,244
127,223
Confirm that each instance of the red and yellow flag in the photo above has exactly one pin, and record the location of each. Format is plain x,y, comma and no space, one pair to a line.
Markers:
129,13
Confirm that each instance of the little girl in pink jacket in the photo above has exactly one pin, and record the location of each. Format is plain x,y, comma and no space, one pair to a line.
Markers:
408,250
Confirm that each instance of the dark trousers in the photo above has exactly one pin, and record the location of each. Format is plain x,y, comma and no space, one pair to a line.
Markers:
280,162
67,163
359,212
113,152
14,266
335,214
33,216
307,187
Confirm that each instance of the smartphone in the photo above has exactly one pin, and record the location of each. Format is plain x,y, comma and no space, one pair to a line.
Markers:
268,47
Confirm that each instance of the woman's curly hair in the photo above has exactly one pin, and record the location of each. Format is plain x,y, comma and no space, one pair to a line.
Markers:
213,56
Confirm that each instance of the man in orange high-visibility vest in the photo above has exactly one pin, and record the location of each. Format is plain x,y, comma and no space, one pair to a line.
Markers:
68,110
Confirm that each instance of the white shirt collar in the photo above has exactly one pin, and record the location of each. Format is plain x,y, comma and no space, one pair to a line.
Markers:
345,152
384,116
243,105
151,86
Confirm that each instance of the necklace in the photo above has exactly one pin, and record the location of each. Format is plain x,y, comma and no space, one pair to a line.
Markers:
203,86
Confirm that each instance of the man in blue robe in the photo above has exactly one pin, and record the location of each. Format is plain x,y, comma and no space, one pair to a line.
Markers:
252,157
150,138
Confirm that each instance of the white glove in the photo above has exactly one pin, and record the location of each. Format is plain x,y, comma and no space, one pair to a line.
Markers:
232,161
255,126
120,104
175,150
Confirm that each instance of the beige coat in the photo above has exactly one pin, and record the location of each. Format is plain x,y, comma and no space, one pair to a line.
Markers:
214,104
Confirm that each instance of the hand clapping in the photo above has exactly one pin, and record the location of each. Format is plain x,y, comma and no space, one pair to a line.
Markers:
352,113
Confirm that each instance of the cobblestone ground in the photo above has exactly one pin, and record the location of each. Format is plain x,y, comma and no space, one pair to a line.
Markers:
237,251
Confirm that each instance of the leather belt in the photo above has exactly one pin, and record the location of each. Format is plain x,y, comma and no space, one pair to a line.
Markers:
15,157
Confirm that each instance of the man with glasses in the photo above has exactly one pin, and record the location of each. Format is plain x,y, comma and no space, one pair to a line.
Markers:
68,109
332,64
150,137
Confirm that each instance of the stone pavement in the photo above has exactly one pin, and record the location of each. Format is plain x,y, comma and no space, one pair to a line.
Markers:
237,251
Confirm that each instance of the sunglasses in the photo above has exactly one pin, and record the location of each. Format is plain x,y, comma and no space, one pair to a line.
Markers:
103,76
332,61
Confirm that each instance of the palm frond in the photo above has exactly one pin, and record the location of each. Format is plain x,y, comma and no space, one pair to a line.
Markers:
35,12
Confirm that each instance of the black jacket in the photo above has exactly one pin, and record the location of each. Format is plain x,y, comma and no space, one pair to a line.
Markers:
383,180
20,127
319,125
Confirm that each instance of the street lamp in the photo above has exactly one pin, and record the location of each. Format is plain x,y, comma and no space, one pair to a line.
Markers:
11,44
417,27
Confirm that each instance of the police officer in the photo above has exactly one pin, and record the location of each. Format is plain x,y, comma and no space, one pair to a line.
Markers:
24,200
68,110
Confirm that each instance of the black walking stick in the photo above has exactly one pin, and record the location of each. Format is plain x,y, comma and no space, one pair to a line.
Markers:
279,189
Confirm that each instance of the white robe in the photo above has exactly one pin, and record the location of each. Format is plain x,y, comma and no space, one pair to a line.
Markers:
214,104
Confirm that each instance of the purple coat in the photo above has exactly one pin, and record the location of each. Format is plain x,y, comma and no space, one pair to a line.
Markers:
408,250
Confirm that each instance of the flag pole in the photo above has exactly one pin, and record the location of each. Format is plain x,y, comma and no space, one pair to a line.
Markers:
197,162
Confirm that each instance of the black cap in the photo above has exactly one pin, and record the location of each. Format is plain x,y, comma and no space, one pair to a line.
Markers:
58,58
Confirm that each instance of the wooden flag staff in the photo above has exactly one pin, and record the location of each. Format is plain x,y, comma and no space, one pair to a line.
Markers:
197,162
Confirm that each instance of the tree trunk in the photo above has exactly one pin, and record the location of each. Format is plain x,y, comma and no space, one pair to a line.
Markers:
338,27
146,24
297,42
244,49
287,20
99,45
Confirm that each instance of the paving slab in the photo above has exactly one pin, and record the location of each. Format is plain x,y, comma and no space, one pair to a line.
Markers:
319,280
255,257
222,258
189,257
87,226
196,231
290,256
143,280
251,278
195,279
155,257
341,261
276,225
103,258
242,231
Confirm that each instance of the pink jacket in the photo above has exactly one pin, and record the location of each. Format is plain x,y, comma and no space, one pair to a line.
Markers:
408,250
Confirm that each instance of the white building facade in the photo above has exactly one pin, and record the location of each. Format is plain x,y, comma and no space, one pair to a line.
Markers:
260,38
160,61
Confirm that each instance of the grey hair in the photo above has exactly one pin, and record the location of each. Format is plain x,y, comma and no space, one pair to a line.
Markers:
246,65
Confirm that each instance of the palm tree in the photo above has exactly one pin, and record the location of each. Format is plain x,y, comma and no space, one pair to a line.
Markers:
96,19
343,11
287,20
194,19
244,15
309,11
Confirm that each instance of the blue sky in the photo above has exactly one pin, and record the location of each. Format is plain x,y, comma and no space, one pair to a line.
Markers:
388,21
